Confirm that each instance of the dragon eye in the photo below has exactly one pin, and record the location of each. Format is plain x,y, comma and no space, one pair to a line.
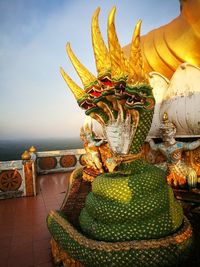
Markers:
105,80
144,94
150,103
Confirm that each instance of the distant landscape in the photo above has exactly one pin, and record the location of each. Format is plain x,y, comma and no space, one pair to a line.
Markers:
12,149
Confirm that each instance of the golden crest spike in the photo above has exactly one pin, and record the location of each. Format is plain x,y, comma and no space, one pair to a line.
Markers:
102,57
166,123
76,90
136,34
86,77
118,64
136,68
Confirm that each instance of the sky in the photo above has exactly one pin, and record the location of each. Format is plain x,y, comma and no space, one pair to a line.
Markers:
35,102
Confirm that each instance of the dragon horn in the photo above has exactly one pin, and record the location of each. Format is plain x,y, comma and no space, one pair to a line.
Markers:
136,68
86,77
101,54
76,90
118,64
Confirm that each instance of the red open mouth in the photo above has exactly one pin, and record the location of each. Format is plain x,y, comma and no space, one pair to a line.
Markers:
134,99
94,93
106,82
87,105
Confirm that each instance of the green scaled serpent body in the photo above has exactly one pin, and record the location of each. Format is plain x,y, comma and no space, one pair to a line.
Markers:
131,206
139,252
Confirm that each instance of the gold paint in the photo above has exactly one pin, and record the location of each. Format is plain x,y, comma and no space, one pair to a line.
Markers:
87,177
60,256
97,117
166,123
26,155
179,237
55,251
101,53
129,157
106,109
165,117
112,99
136,68
32,149
118,64
75,89
92,157
193,159
165,48
174,179
106,153
135,116
86,77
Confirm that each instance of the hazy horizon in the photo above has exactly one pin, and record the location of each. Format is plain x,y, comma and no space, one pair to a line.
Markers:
37,138
13,149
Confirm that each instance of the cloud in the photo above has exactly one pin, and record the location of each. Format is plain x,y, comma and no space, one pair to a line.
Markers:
35,101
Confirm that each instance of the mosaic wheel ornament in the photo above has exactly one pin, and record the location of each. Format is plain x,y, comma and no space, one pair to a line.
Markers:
68,161
47,163
10,180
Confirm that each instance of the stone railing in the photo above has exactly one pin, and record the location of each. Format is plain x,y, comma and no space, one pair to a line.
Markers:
59,160
18,178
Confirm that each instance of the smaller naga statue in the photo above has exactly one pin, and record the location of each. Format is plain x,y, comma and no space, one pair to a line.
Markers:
92,157
179,173
98,157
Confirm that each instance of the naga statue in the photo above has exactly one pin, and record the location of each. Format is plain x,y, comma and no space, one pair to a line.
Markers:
129,215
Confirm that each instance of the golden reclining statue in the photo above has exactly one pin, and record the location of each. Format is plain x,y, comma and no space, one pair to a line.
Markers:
165,48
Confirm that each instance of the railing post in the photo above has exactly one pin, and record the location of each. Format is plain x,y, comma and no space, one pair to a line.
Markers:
28,163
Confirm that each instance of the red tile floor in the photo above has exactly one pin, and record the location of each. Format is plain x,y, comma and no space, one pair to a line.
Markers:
24,237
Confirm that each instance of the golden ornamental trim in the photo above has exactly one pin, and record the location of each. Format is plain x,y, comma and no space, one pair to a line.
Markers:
183,234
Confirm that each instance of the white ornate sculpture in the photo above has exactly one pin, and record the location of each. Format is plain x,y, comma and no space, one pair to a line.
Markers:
180,98
179,172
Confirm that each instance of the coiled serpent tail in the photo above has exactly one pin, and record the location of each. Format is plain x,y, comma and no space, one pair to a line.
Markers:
131,205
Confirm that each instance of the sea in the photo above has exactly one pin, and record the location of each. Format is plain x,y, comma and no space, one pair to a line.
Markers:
13,149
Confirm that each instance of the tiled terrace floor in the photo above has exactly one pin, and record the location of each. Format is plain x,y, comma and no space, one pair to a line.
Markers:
24,238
